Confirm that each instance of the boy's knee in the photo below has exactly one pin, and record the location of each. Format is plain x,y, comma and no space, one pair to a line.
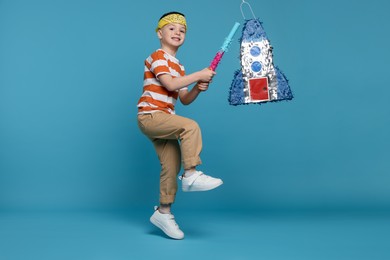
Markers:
192,126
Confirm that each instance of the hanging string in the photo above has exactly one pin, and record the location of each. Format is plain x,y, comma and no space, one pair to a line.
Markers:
245,2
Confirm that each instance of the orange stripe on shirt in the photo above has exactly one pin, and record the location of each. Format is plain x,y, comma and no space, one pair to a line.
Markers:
158,103
148,75
176,67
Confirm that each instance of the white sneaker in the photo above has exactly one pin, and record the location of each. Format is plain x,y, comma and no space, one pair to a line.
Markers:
167,223
199,181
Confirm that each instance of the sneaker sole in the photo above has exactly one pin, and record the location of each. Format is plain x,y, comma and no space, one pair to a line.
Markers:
157,224
189,188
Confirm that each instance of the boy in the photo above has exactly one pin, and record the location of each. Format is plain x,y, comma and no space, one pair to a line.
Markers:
175,138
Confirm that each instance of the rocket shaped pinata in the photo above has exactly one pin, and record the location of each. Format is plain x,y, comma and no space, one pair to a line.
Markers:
258,80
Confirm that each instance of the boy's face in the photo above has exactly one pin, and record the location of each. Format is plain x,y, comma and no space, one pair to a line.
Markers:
172,35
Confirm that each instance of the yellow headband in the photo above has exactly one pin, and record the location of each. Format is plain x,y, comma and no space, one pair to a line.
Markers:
172,18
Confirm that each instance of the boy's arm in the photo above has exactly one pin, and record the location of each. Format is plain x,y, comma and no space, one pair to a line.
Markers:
187,97
173,84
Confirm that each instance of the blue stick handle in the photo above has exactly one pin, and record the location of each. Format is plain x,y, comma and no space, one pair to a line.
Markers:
230,37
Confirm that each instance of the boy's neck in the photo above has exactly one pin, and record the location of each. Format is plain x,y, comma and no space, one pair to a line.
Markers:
169,50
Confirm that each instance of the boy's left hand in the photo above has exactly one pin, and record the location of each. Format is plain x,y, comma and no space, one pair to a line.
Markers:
202,86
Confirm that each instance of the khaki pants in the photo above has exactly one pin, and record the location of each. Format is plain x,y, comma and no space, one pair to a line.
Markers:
165,131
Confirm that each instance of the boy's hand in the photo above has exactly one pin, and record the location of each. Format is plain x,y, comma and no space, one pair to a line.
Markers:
202,86
206,75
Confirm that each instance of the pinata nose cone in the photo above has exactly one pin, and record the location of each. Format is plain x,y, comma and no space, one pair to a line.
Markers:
253,30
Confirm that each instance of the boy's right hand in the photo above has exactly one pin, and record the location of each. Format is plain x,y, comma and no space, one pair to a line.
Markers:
206,75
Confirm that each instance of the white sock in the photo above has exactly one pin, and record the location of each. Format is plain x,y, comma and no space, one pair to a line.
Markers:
188,173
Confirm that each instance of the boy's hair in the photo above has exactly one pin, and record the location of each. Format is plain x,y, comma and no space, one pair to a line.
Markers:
171,17
166,14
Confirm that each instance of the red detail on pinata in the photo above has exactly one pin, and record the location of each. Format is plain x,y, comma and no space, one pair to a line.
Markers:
259,89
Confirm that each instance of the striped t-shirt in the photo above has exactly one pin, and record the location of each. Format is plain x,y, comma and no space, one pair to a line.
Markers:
155,96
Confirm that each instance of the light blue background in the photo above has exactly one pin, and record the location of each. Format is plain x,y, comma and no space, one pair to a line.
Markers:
306,179
71,74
